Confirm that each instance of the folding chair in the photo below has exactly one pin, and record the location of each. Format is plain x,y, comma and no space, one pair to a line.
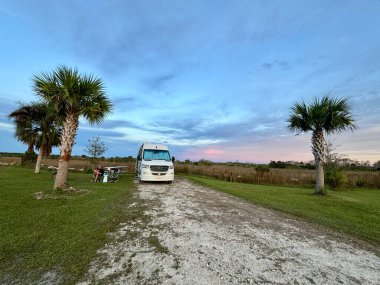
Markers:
99,179
114,175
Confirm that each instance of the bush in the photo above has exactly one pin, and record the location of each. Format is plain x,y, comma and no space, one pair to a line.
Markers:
336,178
28,159
88,169
262,169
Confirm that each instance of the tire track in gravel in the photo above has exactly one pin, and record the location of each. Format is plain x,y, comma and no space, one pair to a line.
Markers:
190,234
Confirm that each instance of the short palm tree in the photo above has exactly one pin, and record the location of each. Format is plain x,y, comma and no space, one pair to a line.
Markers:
25,130
322,116
37,124
49,130
73,95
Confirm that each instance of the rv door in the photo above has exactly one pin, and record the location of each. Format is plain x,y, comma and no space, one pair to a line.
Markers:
138,163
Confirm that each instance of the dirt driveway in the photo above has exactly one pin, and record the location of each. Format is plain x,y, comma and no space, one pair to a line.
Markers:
190,234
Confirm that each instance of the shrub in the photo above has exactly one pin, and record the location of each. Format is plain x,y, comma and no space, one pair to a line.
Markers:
29,158
261,169
336,178
88,169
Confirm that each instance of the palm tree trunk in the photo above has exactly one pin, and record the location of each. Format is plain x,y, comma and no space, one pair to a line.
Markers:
320,180
30,147
318,148
70,127
39,160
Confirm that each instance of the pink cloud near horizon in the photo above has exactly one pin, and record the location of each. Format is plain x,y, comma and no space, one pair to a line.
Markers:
283,148
287,148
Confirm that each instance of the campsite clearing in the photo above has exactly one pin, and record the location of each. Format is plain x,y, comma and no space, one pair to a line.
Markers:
191,234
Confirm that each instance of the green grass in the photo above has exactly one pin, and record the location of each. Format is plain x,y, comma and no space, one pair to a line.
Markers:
153,241
355,212
59,234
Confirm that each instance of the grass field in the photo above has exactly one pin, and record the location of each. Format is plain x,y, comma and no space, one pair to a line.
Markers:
355,212
55,238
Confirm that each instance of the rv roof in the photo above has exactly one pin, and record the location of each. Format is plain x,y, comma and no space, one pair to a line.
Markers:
154,146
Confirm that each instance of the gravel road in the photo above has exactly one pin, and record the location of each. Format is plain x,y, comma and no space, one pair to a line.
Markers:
190,234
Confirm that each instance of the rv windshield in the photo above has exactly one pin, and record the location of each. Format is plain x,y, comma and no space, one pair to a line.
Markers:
156,154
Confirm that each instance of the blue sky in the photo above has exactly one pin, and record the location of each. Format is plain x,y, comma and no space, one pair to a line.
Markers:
212,79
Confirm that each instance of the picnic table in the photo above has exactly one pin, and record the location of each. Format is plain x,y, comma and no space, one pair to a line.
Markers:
112,173
52,170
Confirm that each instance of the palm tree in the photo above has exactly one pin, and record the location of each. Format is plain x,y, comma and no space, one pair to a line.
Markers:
25,130
37,124
73,95
322,116
49,130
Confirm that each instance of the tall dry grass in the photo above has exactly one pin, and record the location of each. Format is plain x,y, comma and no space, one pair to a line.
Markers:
273,176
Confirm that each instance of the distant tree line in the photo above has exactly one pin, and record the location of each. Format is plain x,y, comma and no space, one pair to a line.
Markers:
345,163
10,154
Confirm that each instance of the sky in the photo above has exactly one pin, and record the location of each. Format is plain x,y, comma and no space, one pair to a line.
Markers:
212,79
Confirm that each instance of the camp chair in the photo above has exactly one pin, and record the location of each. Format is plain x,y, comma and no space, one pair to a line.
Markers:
114,175
53,171
100,177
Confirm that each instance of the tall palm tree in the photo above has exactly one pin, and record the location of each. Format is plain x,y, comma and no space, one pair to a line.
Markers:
37,124
73,95
322,116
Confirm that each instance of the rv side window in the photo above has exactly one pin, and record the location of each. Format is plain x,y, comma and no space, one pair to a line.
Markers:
154,154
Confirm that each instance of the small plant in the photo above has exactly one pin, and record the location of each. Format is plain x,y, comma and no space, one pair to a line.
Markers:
153,241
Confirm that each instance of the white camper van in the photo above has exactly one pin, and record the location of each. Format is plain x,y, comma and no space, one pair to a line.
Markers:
154,163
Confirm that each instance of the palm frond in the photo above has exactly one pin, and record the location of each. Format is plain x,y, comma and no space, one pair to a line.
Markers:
36,124
328,114
299,118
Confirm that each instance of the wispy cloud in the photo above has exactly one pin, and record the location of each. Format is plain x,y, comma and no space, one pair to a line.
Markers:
158,82
7,127
8,12
281,64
